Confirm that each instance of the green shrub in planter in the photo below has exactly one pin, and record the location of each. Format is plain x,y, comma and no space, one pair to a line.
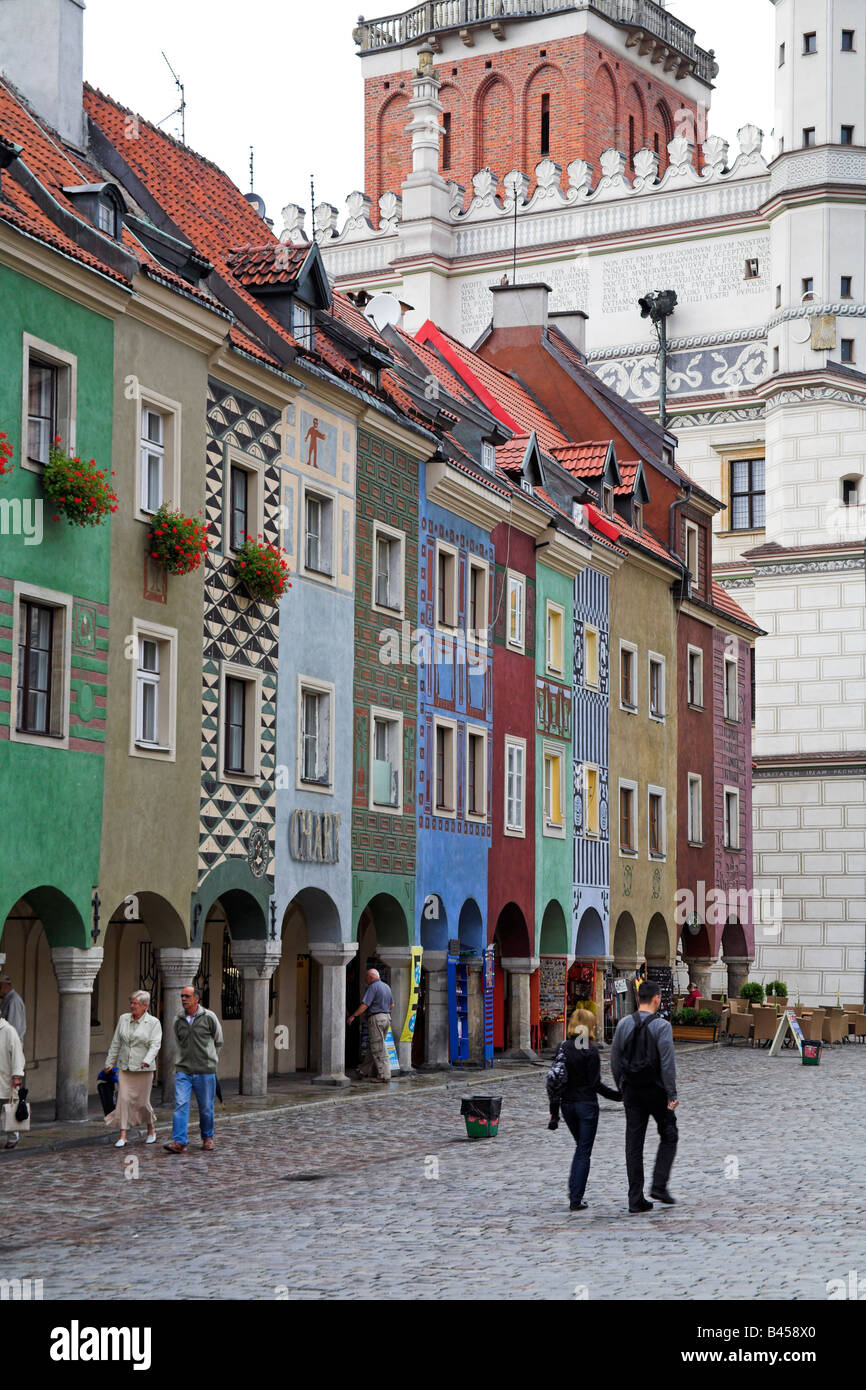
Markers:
706,1019
752,991
686,1018
777,988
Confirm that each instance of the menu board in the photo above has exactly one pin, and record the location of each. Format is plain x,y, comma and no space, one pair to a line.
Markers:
663,976
552,971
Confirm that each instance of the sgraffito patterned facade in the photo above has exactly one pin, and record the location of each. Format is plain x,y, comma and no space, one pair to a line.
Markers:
591,749
237,820
383,841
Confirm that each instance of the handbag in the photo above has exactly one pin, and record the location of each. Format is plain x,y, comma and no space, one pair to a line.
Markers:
9,1121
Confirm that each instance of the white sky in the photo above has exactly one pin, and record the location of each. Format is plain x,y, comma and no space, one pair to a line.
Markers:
283,76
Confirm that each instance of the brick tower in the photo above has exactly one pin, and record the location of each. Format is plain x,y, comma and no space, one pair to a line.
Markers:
527,79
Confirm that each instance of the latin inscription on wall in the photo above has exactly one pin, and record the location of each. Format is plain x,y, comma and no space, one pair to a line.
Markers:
569,283
702,272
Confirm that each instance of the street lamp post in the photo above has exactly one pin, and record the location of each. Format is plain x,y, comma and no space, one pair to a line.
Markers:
658,307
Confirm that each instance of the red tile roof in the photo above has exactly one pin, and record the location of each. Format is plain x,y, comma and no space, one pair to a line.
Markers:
583,460
628,473
512,454
723,601
277,263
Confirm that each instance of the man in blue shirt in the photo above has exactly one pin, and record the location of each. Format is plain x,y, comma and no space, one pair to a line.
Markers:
376,1004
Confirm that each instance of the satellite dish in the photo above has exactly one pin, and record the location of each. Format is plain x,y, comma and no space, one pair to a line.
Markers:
384,309
257,202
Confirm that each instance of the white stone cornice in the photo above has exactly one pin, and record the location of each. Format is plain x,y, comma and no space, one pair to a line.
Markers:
453,489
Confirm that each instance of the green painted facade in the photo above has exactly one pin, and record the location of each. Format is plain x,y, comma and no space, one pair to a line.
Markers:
554,731
51,795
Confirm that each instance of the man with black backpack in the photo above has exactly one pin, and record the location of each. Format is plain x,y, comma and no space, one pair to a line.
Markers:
644,1069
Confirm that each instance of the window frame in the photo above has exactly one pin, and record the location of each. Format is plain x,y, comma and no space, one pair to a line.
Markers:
513,741
554,610
731,661
553,753
750,495
809,49
591,629
849,48
232,670
307,334
311,685
66,396
694,779
658,793
477,566
656,659
166,637
477,731
699,653
451,597
394,536
810,138
448,727
631,648
847,350
171,413
849,292
728,792
518,580
61,664
328,498
692,535
591,769
625,784
255,471
846,134
395,719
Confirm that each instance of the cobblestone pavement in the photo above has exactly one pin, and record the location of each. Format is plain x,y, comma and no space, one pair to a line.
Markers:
377,1221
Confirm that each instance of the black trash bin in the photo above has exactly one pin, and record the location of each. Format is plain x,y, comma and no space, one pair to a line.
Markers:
482,1116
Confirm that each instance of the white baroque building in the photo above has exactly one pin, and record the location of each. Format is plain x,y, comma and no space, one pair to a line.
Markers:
766,389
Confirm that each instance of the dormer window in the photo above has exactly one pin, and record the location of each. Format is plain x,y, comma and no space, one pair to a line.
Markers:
302,323
488,456
370,374
607,498
638,516
107,217
101,204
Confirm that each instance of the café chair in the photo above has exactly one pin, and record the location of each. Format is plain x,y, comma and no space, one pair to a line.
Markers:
739,1026
766,1023
834,1023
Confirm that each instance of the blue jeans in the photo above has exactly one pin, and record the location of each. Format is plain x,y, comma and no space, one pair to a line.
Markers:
204,1085
582,1119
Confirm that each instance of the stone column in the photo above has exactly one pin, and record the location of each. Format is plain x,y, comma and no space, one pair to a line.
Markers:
436,1038
700,970
75,969
738,973
256,960
178,966
520,969
333,957
476,1009
399,961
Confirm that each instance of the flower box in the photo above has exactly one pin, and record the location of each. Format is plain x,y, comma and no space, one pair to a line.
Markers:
78,489
262,569
176,541
690,1032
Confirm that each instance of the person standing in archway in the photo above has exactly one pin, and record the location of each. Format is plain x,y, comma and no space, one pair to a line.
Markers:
376,1004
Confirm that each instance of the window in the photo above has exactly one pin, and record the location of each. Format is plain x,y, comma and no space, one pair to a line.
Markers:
240,709
638,516
846,135
850,491
370,374
244,499
154,692
847,40
445,787
781,55
476,773
627,827
554,791
752,682
775,359
545,124
386,781
42,410
319,534
808,136
810,43
478,605
446,586
696,677
516,610
590,656
389,569
732,702
847,348
627,676
315,734
692,551
657,687
656,822
235,725
152,446
808,284
302,323
488,456
35,668
748,499
778,296
49,396
446,140
753,268
554,648
631,141
695,810
106,217
732,818
846,287
238,506
515,786
607,498
590,800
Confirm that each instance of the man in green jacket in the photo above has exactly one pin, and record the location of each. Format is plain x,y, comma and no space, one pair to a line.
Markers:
199,1038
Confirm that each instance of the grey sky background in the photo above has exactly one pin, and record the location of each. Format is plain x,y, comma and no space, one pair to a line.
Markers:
284,77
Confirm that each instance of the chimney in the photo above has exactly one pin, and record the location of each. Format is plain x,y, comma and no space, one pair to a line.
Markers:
520,307
572,325
42,54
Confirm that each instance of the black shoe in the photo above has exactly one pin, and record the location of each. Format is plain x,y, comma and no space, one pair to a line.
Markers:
578,1206
661,1194
642,1206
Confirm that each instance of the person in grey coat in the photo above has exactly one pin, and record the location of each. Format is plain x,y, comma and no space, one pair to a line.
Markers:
644,1069
12,1007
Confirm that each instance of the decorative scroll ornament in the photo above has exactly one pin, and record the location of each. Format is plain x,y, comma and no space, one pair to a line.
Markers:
293,224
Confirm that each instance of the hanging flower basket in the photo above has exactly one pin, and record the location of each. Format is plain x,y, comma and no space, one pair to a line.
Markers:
178,542
6,464
263,570
79,491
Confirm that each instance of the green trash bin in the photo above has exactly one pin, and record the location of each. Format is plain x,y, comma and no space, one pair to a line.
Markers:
481,1114
812,1053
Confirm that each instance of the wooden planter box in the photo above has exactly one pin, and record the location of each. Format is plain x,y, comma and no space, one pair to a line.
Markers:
690,1032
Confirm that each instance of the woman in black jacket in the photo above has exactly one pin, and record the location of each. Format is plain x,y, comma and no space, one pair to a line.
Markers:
577,1095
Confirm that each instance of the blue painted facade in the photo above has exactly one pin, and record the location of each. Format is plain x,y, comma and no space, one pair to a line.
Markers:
591,914
456,683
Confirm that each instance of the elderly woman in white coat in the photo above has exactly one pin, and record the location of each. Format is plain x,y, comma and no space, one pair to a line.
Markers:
134,1050
11,1069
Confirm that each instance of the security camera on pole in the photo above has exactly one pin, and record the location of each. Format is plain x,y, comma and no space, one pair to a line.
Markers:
658,307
